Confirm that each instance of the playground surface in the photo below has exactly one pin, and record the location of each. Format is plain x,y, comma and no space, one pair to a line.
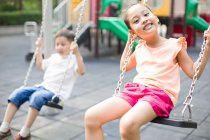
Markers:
96,85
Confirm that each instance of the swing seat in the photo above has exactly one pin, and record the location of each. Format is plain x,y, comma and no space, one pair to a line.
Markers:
176,123
54,105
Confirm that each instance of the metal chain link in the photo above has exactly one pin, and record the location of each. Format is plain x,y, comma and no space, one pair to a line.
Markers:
126,60
36,50
188,99
80,20
75,40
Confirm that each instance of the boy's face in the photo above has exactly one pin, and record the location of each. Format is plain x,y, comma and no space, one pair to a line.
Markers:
142,21
62,45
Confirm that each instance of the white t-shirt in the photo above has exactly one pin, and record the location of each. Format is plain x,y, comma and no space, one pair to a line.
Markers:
55,68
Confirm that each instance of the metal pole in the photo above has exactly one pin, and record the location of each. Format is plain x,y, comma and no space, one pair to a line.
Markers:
171,20
185,17
47,30
97,30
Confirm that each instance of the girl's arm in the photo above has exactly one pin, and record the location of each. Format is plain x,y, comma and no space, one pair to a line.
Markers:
39,58
186,63
80,63
132,62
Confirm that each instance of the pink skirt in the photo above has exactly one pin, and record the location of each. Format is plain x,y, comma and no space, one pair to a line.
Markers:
158,99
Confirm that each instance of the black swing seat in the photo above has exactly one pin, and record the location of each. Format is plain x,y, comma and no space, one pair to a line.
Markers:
176,123
53,105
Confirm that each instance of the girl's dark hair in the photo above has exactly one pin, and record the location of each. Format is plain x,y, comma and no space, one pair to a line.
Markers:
125,16
67,34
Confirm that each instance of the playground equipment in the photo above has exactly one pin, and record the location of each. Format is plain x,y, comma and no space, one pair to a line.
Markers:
106,3
160,7
30,30
192,16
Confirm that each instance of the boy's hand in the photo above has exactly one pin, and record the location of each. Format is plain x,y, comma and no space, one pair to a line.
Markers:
74,47
39,43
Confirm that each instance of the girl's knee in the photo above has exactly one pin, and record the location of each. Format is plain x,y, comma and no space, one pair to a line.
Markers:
128,126
91,118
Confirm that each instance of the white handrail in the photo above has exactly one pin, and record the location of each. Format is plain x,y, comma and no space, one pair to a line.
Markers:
76,9
60,5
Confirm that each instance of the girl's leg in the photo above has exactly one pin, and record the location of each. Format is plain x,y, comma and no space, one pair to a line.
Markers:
108,110
139,115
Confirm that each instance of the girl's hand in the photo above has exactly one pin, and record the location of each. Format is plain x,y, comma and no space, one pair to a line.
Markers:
74,47
39,43
131,35
207,38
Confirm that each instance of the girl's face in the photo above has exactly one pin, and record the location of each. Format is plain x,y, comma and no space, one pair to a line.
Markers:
62,45
142,21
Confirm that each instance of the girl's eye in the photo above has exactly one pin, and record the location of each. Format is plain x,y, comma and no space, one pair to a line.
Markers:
135,20
146,14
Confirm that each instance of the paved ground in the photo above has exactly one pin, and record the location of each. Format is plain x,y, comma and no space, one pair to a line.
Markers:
96,85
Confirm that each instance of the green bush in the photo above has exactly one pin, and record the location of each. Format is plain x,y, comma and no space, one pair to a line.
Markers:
8,5
19,17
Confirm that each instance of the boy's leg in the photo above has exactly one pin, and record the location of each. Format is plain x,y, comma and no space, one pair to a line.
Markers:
31,116
10,112
37,100
5,131
108,110
16,99
139,115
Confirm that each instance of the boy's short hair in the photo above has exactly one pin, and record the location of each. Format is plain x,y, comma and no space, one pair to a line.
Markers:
67,34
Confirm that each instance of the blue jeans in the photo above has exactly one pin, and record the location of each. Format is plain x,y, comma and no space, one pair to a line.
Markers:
37,96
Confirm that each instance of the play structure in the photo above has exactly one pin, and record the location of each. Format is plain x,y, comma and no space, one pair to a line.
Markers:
185,15
182,19
186,22
63,16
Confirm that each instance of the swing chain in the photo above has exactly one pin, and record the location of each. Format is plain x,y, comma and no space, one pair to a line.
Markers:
36,50
126,60
80,20
188,99
75,40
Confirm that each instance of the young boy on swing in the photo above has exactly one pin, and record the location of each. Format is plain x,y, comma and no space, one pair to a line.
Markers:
58,64
154,91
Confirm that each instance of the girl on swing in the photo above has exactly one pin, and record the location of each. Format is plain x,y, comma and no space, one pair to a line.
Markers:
55,68
155,89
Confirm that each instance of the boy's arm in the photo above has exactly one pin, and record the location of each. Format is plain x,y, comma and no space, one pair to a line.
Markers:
39,58
80,63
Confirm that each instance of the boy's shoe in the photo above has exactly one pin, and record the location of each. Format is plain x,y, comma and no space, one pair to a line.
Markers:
5,135
19,137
